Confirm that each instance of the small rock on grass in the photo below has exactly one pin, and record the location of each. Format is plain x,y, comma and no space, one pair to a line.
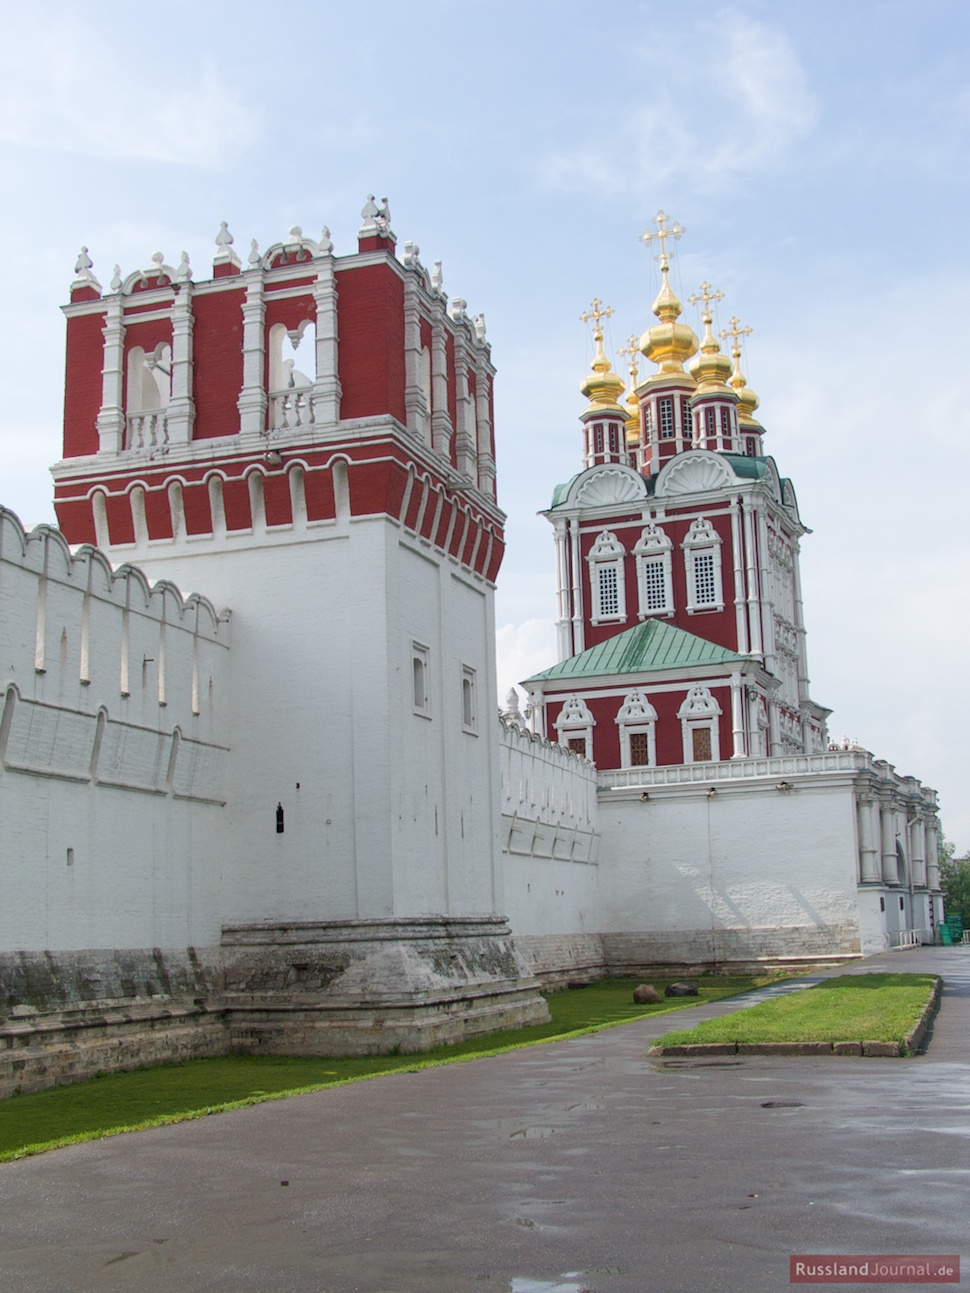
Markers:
646,995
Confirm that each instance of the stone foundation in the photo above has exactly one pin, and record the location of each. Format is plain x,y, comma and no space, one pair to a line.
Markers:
320,988
555,959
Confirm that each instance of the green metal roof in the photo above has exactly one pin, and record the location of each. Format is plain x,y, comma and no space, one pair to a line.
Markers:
648,647
745,467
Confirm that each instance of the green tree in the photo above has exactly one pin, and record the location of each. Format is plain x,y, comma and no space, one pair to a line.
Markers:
955,882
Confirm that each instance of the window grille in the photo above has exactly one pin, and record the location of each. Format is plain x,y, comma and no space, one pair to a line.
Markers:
609,592
666,418
578,745
701,738
639,750
705,583
655,585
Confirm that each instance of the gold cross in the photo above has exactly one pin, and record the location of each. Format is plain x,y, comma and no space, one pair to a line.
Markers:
661,235
706,294
596,312
734,331
632,349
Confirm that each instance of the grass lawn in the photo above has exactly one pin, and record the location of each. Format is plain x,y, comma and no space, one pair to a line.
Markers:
174,1092
851,1008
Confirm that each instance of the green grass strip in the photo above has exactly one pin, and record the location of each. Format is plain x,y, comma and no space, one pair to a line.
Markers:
153,1097
851,1008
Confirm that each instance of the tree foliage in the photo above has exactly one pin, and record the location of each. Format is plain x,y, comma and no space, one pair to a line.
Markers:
955,883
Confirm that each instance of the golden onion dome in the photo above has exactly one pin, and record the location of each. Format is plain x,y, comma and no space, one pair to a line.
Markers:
711,368
602,387
669,343
747,400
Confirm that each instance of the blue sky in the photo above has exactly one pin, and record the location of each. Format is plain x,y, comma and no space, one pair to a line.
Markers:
817,155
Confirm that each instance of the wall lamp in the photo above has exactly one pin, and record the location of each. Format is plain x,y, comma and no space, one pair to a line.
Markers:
784,786
273,458
712,792
644,798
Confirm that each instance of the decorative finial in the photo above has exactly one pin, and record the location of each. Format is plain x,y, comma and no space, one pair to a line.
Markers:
295,235
411,250
632,348
478,323
224,238
747,400
84,264
512,713
254,256
458,308
596,313
735,332
326,243
661,234
116,279
707,294
370,210
184,272
437,279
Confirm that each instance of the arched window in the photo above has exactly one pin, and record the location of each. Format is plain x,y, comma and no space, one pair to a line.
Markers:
654,573
700,726
575,727
702,558
606,578
637,722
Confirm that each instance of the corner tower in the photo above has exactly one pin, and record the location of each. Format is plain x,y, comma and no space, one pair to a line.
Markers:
308,438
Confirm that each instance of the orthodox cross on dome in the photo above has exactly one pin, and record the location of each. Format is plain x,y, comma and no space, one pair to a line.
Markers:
735,332
661,234
597,312
707,294
632,348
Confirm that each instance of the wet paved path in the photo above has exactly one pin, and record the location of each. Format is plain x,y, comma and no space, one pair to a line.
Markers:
576,1165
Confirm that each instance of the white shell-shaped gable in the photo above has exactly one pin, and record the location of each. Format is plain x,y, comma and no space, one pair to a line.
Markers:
605,486
693,473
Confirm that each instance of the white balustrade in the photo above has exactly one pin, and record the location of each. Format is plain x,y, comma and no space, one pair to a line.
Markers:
148,430
291,409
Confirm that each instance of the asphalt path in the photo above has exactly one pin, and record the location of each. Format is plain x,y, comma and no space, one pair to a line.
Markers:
578,1165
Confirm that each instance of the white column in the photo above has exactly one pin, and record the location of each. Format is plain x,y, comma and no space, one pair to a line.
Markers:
579,636
774,728
803,679
739,744
767,622
466,450
252,397
869,869
483,418
415,411
442,430
917,855
111,419
887,819
740,608
932,854
751,567
181,408
562,594
326,386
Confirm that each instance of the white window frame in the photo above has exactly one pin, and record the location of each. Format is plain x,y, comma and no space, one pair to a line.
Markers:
421,659
574,721
703,540
654,546
607,553
637,715
700,710
469,690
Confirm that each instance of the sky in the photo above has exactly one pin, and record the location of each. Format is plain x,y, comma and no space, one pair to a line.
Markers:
815,154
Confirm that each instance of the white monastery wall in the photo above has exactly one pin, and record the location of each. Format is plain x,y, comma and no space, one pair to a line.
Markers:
550,847
112,752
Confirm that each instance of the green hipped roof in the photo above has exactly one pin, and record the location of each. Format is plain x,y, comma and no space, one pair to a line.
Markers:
650,646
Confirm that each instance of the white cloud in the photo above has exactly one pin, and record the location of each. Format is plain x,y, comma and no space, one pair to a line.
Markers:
726,101
522,650
78,95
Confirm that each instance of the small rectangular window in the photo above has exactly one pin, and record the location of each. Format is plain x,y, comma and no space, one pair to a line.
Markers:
701,738
639,750
726,423
666,418
609,592
578,745
656,584
705,584
419,680
710,422
469,700
750,444
598,437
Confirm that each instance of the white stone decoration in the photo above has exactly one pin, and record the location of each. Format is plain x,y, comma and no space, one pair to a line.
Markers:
326,242
437,280
607,578
83,276
116,279
478,323
700,711
702,558
254,256
637,716
604,486
458,309
575,723
183,273
694,472
653,553
410,257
